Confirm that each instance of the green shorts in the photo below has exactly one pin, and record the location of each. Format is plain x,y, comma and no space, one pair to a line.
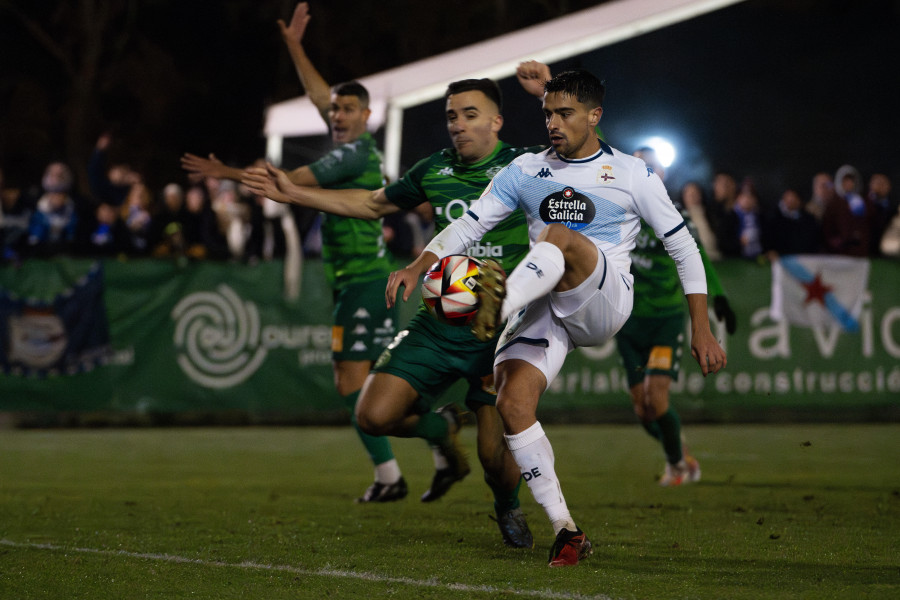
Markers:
432,356
363,325
651,346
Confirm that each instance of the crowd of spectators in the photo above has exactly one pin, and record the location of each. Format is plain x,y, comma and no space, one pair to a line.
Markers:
213,219
839,216
201,218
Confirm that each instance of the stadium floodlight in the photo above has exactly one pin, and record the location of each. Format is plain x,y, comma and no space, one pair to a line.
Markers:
665,151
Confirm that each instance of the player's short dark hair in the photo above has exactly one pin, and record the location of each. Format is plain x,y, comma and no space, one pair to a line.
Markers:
580,84
486,86
352,88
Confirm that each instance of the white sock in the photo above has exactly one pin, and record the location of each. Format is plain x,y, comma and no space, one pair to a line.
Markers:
388,472
440,461
535,276
532,451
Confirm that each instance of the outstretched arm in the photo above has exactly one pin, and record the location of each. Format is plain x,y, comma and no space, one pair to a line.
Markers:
209,167
279,186
314,84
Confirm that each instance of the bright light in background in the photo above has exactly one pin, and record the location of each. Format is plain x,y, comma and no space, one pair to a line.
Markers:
665,151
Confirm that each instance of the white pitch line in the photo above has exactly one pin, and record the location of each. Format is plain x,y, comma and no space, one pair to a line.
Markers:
335,573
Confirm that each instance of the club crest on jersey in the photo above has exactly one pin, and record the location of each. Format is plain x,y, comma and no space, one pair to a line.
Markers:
493,171
569,207
605,174
446,171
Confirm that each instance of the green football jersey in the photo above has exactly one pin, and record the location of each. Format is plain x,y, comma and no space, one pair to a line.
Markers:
451,187
353,250
657,287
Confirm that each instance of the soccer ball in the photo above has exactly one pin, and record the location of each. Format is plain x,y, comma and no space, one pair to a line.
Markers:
449,289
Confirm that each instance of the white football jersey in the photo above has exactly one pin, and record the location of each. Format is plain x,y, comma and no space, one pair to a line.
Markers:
603,197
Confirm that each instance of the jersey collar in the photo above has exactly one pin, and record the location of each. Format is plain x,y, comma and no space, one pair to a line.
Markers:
604,149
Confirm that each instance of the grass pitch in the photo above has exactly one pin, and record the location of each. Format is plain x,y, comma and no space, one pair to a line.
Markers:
808,511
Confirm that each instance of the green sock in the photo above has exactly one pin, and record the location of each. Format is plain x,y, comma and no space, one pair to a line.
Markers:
378,447
670,427
504,500
432,428
653,429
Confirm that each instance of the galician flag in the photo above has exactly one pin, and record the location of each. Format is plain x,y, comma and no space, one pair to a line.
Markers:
811,290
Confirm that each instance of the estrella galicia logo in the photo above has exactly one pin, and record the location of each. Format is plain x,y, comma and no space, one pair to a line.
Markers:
544,173
569,207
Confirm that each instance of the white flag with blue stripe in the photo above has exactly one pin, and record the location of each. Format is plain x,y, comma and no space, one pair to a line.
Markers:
811,290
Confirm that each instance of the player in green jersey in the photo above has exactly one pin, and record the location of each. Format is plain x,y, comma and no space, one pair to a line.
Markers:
650,343
354,253
428,356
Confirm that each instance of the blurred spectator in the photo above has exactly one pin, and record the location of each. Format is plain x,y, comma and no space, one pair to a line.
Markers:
890,239
15,214
724,219
201,234
746,207
233,216
109,184
267,221
169,223
137,214
789,229
103,233
822,190
846,222
693,203
883,208
52,226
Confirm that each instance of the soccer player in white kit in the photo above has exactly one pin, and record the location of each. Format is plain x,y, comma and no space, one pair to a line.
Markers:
583,201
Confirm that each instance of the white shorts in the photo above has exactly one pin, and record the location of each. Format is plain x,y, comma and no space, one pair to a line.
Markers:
546,330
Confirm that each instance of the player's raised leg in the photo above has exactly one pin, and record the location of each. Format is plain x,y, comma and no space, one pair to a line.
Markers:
560,260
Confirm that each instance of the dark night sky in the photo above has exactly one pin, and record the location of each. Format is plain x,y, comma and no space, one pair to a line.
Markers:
764,91
773,90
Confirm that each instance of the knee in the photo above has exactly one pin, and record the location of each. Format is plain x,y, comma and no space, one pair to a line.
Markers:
510,411
370,420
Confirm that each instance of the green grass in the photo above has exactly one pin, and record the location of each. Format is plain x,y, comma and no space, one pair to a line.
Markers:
782,512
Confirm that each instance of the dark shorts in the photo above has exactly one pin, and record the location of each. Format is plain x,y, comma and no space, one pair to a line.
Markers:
651,346
363,325
432,356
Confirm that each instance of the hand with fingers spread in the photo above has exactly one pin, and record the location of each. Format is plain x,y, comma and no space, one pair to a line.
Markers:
299,21
208,167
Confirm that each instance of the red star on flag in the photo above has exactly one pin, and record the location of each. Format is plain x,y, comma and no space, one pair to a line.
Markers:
816,290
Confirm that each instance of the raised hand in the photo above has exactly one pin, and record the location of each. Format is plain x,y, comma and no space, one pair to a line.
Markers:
297,26
532,75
